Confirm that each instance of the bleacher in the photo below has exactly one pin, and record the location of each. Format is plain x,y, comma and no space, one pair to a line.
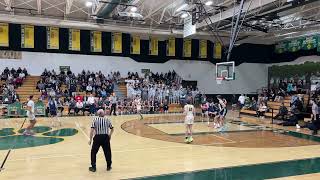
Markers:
274,107
29,87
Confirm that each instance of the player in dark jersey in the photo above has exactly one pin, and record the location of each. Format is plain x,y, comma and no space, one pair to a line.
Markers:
223,110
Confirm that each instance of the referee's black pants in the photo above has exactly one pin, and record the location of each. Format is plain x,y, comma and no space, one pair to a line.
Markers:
113,109
104,141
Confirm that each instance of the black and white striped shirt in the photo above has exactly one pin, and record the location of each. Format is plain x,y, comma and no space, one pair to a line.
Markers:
101,125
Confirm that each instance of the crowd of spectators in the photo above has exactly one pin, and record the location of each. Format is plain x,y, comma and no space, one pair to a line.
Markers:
10,80
91,91
62,89
50,84
160,87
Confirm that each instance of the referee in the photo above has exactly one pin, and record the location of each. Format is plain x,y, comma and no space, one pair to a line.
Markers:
102,130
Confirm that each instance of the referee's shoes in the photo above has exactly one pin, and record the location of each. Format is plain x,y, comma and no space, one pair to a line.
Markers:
93,169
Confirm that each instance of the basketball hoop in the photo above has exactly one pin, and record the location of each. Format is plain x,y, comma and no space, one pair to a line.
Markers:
219,80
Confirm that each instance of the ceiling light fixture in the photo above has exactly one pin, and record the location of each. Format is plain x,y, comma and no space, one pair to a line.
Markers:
184,15
183,6
88,3
208,3
133,9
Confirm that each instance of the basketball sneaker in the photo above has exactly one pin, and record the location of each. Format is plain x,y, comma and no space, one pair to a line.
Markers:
190,139
186,139
92,169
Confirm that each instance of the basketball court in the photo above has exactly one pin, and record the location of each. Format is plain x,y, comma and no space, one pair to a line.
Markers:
154,149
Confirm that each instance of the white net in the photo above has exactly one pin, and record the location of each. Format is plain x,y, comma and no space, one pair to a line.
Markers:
219,80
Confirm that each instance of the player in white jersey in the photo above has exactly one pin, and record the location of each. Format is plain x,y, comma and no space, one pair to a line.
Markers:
189,111
137,103
31,116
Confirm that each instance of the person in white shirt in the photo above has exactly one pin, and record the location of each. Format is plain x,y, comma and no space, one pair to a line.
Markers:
89,88
79,107
91,102
241,100
137,103
189,111
31,116
22,75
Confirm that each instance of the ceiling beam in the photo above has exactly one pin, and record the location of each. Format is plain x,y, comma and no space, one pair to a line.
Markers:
39,6
229,13
68,6
153,11
55,6
8,4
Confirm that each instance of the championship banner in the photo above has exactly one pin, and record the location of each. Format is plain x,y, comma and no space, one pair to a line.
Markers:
217,53
27,36
116,41
186,47
135,44
52,38
171,46
309,43
74,39
295,45
96,41
203,48
281,47
153,46
4,35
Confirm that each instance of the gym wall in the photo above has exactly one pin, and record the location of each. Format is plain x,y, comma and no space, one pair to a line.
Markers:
249,76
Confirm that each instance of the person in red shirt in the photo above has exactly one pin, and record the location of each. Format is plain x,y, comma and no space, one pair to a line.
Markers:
78,98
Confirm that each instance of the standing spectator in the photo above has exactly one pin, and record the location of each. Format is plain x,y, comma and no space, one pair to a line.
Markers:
113,101
91,103
241,100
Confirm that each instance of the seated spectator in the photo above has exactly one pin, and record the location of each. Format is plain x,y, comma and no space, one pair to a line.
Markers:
72,105
253,105
89,88
283,112
60,106
100,104
79,98
317,88
262,109
290,88
25,72
79,107
247,103
52,93
280,95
